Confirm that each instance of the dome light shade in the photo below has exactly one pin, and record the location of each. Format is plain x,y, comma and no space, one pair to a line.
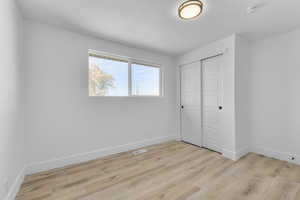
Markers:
190,9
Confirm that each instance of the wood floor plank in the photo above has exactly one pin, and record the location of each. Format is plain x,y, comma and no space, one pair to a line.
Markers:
135,179
282,189
169,171
153,179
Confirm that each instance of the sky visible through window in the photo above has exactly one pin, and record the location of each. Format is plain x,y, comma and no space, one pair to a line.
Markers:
110,78
145,80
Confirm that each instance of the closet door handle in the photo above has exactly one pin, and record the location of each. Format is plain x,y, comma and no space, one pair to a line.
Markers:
182,107
220,107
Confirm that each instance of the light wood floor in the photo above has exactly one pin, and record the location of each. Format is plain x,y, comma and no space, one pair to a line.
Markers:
173,171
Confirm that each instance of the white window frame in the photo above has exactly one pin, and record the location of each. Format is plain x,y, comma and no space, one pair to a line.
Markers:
131,61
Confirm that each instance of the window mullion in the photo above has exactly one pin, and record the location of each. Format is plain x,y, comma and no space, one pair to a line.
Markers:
129,79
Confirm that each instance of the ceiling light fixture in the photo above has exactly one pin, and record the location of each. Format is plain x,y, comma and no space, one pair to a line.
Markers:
190,9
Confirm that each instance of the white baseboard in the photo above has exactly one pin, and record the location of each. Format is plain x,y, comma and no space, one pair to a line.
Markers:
14,189
83,157
235,155
285,156
229,154
242,152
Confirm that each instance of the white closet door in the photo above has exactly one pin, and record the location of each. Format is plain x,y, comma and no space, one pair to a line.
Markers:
212,90
191,103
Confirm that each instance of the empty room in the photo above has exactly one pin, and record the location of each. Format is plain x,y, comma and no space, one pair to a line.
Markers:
150,100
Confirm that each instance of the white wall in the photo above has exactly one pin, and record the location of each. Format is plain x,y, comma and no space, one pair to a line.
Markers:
226,46
62,120
275,95
242,95
11,98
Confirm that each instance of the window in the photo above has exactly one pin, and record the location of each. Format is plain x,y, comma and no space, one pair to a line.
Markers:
108,77
145,80
120,76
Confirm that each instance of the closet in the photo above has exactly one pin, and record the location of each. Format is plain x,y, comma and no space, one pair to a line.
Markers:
201,102
214,96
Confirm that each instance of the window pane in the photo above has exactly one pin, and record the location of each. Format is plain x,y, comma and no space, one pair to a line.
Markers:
107,77
145,80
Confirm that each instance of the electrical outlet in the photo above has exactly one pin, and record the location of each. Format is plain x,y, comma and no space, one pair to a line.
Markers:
292,158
